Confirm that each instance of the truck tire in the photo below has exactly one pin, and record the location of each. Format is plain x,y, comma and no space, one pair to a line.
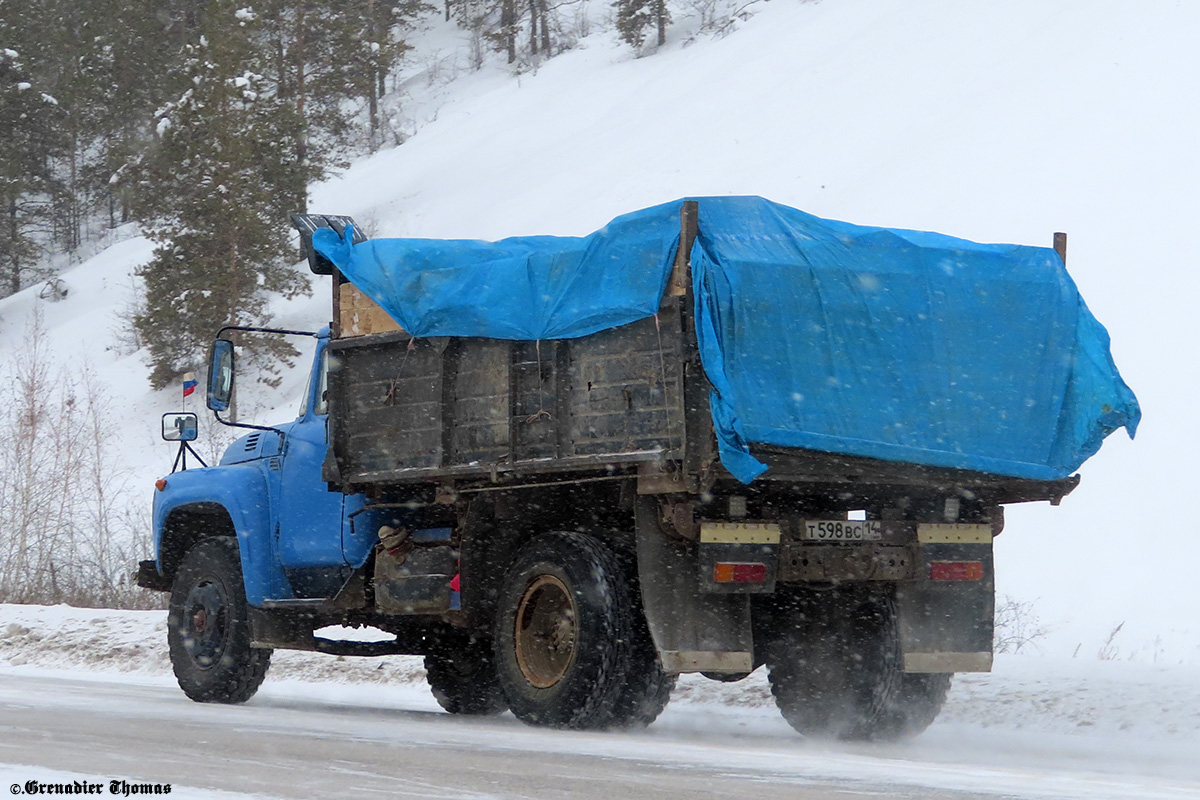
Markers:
912,708
564,635
834,665
647,689
463,679
208,629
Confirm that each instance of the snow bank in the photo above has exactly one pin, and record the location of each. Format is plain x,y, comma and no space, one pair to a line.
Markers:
66,638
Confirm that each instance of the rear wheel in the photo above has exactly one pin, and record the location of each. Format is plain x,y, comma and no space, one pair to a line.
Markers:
565,636
463,679
208,629
647,689
834,665
914,707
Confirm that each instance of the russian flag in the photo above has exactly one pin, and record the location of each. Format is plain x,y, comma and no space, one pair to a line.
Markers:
189,383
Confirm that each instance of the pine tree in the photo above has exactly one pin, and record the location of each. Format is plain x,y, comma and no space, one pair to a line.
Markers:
93,58
370,47
27,183
124,43
635,16
539,28
214,195
507,32
502,24
320,58
307,48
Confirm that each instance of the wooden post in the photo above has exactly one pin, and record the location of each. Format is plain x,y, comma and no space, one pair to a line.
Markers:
1060,246
689,217
335,324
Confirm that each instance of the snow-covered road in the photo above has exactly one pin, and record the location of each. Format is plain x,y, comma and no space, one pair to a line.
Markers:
299,739
87,695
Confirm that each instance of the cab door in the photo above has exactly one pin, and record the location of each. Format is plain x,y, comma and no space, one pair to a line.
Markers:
309,516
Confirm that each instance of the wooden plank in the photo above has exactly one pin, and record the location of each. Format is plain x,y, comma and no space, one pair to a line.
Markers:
359,315
562,399
689,218
599,463
699,441
335,326
446,415
534,403
1060,245
622,425
482,404
512,402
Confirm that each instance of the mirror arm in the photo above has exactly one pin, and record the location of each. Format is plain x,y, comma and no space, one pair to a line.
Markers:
227,423
251,329
310,334
185,447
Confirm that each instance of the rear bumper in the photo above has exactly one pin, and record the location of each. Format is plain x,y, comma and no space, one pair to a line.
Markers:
948,662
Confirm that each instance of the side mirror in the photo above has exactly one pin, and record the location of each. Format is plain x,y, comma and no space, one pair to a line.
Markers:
179,427
220,375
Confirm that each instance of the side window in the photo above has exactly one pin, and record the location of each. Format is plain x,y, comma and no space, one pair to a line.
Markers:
322,404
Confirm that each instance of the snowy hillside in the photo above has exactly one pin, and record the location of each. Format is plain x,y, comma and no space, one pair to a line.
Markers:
996,120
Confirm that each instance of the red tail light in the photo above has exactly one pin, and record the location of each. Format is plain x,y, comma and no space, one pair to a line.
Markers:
956,571
733,572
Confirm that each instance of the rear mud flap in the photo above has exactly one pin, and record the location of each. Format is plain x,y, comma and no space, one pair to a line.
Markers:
693,630
946,616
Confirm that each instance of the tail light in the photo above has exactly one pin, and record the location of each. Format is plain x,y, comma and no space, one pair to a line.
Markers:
739,572
956,571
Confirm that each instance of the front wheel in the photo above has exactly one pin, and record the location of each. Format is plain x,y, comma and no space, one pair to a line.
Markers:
208,628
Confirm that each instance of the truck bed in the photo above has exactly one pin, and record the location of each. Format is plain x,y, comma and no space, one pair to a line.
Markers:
448,406
420,409
630,400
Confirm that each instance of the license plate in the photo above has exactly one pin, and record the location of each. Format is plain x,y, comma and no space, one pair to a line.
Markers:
841,530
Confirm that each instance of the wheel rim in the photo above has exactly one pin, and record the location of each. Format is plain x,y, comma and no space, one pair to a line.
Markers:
546,631
205,624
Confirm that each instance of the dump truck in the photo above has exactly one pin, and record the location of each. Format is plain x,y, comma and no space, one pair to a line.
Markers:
717,435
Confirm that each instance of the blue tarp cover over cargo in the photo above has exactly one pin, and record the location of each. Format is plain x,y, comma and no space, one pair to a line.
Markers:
890,344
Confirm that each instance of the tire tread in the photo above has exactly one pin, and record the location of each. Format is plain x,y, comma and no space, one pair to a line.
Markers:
243,668
590,695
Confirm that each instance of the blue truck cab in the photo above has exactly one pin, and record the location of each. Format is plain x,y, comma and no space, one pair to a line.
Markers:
260,552
296,539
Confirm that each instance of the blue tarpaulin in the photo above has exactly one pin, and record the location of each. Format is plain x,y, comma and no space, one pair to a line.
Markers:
526,288
885,343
